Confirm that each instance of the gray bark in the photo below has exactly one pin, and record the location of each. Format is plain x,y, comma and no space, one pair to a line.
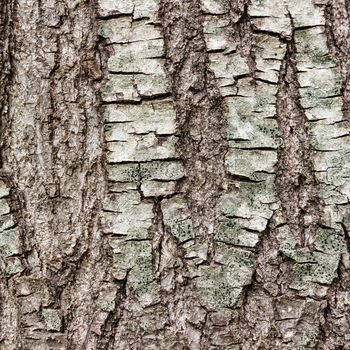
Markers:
174,174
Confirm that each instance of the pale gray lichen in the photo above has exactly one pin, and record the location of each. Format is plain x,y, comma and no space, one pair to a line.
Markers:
52,319
177,219
4,189
10,242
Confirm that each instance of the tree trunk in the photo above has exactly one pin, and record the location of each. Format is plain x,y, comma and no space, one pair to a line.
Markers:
174,174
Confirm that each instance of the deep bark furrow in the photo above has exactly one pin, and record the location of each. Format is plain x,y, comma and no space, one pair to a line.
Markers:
7,14
337,322
201,117
242,31
301,206
338,33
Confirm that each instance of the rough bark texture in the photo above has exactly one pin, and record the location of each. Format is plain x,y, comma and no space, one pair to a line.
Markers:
174,174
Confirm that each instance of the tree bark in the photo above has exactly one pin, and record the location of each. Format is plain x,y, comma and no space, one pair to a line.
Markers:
174,174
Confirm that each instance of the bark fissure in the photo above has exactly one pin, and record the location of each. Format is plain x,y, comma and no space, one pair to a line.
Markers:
7,17
337,31
295,180
200,114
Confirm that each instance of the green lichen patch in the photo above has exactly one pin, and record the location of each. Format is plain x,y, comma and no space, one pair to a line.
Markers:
330,241
305,15
221,286
158,117
177,219
270,15
121,6
324,161
269,53
158,188
106,298
226,67
216,34
147,293
317,84
6,221
4,207
137,57
232,231
120,187
323,270
253,132
119,88
10,242
329,110
319,266
256,98
198,253
217,289
251,163
124,172
142,148
146,9
138,9
329,137
152,85
4,189
254,201
14,265
312,49
122,202
162,170
239,260
133,254
135,257
125,30
214,6
52,319
127,215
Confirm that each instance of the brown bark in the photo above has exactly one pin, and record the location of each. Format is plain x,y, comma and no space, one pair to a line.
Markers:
174,174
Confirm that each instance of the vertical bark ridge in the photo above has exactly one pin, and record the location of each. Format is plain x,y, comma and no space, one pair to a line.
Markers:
248,84
271,299
297,264
52,153
7,13
334,329
203,144
146,220
337,30
200,114
11,215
